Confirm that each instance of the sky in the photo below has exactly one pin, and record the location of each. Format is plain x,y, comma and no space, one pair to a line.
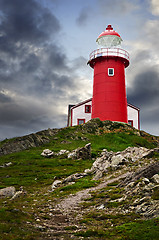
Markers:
44,50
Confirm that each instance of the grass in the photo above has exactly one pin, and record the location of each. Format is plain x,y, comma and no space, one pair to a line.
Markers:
123,227
81,184
36,174
155,194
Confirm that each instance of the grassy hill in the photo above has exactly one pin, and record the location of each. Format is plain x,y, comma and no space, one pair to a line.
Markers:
33,215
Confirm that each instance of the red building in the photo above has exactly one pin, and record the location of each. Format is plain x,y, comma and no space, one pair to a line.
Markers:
109,100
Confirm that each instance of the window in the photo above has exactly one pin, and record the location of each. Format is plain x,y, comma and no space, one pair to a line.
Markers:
110,71
130,122
80,121
87,108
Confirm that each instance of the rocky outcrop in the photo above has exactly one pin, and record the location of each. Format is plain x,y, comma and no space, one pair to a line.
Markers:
116,160
146,172
26,142
140,195
97,126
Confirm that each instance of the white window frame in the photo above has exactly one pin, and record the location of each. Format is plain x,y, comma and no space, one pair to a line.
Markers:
111,75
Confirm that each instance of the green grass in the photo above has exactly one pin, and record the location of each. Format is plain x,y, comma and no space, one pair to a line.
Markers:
36,174
123,227
144,230
155,194
13,224
81,184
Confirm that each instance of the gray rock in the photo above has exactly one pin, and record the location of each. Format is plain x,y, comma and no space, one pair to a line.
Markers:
74,177
62,151
28,141
101,207
145,172
130,185
56,184
81,153
6,165
117,161
145,180
17,194
7,192
47,153
155,178
98,175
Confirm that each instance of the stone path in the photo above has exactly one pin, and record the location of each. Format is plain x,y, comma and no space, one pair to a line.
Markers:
68,211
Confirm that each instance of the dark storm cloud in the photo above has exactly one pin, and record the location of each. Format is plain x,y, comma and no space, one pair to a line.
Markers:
4,98
30,64
56,58
144,93
145,90
35,80
25,21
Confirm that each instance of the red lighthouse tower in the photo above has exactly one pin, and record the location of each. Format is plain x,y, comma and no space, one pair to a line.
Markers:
109,100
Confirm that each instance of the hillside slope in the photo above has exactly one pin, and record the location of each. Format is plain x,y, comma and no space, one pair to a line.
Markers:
112,195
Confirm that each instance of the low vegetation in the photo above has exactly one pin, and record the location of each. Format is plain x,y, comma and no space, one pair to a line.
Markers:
36,174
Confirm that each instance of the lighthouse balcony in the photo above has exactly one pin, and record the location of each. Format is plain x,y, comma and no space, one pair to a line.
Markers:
110,52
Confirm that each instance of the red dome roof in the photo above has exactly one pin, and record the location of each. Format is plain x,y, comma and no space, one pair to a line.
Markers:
109,31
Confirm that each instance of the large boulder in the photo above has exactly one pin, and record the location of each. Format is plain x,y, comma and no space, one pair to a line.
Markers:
7,192
81,153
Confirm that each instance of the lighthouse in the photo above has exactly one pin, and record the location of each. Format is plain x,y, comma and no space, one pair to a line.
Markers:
109,100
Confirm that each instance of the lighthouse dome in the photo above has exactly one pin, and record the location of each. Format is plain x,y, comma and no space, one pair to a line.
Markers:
109,38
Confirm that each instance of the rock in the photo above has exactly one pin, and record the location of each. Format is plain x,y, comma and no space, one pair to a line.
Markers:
17,194
155,178
47,153
7,192
87,171
145,172
6,165
81,153
117,161
101,207
56,184
113,160
98,175
28,141
145,180
62,151
130,185
74,177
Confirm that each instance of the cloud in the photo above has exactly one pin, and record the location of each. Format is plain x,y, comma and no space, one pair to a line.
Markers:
83,16
37,81
26,21
4,98
145,91
116,8
154,7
